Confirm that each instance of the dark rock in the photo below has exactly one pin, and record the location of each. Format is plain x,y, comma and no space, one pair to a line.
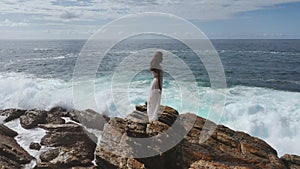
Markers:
49,155
46,165
142,108
54,119
222,148
6,163
32,118
12,114
75,146
168,115
89,118
4,130
54,115
79,154
116,145
58,111
87,167
291,161
65,134
11,154
35,146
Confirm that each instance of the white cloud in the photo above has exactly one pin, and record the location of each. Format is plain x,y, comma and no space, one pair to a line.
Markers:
9,23
63,16
69,15
104,9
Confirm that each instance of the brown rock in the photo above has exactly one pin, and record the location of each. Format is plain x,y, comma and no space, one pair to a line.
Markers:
222,148
89,118
54,115
32,118
54,119
58,111
291,161
116,144
142,108
49,155
4,130
138,116
65,135
75,146
11,154
11,114
78,154
35,146
166,115
227,149
87,167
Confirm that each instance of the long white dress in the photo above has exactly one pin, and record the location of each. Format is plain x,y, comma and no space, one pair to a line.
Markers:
153,101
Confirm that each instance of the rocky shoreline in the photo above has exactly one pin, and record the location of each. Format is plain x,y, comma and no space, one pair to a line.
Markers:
70,144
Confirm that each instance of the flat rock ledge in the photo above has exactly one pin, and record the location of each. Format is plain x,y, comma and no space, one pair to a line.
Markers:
174,141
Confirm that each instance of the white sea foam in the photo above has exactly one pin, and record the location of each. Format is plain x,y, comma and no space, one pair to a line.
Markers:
25,92
25,137
69,55
272,115
268,114
261,51
42,49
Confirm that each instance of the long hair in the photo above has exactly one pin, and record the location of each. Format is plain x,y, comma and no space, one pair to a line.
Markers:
156,60
155,66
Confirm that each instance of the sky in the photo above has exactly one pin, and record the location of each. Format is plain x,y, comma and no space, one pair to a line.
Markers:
218,19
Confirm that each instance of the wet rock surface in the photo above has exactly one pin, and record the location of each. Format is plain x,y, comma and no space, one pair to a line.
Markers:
74,146
4,130
67,145
12,114
173,141
32,118
35,146
11,154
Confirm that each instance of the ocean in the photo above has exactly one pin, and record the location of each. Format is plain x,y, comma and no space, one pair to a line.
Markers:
262,76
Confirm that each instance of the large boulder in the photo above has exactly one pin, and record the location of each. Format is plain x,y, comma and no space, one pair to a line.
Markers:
54,115
118,144
32,118
65,134
89,118
64,157
206,145
225,148
74,146
12,114
4,130
11,154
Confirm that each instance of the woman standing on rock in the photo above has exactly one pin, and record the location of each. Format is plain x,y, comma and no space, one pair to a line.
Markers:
153,102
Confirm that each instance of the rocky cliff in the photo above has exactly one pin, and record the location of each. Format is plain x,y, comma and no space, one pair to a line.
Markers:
129,142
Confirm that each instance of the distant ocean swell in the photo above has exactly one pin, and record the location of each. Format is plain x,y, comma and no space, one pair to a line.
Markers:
266,113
